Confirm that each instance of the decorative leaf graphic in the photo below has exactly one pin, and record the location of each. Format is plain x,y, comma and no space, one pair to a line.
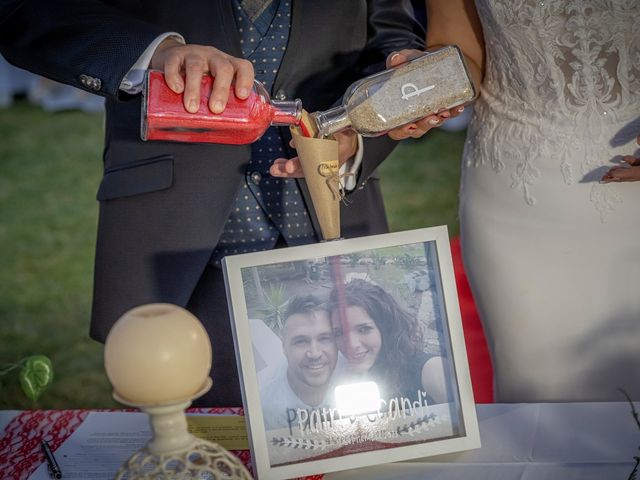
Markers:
36,375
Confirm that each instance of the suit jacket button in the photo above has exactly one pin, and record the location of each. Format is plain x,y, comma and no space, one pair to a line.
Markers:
280,95
90,82
256,177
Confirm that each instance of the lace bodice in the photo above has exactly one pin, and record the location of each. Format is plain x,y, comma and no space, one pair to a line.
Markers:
563,79
566,57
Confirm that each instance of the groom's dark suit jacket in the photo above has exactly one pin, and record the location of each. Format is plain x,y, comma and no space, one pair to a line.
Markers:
163,205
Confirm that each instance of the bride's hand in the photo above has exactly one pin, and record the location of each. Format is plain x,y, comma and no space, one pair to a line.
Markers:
627,172
418,128
624,173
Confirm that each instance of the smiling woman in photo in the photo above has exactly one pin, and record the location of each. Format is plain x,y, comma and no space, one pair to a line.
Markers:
382,342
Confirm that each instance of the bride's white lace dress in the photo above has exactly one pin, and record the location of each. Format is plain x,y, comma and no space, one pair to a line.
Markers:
552,255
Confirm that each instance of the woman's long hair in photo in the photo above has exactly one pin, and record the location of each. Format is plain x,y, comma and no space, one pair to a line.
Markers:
402,337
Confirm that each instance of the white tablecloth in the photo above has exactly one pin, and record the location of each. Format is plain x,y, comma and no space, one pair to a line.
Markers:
581,441
568,441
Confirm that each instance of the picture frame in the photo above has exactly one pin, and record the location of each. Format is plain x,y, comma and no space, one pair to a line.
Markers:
348,348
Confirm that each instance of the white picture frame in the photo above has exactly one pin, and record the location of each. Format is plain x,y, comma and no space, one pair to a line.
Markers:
294,424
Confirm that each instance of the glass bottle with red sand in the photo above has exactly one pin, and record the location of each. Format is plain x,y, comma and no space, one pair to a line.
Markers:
242,121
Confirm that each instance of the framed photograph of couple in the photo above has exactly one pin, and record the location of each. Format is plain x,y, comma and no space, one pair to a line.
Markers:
351,353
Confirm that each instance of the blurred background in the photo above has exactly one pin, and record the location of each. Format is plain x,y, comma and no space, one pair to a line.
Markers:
50,168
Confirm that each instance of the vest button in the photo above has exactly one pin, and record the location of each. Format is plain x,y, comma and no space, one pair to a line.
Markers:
256,177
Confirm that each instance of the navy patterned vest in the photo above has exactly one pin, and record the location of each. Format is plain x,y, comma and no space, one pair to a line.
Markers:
265,207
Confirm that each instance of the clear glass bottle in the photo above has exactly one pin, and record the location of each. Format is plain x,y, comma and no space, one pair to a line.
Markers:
397,96
242,121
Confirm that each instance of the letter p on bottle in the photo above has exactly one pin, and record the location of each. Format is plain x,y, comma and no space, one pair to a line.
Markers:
410,90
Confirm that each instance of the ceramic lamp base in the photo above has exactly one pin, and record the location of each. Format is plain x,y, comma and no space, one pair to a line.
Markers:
174,453
202,460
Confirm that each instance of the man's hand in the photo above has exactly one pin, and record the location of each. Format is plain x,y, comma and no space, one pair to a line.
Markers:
291,167
629,171
418,128
194,61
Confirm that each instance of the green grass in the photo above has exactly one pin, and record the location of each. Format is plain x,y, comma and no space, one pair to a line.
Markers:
50,169
420,182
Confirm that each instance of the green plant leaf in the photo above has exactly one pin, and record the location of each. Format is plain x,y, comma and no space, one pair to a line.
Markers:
36,375
275,300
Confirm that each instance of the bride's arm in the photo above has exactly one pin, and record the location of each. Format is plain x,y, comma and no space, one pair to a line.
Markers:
456,22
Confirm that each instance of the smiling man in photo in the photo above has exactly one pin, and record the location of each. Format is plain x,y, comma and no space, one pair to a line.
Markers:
309,346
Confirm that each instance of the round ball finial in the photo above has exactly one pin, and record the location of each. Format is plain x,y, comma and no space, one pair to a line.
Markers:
157,353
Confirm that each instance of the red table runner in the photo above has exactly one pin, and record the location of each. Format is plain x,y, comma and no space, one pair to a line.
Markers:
20,451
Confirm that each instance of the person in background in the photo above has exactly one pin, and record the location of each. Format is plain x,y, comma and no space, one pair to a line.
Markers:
551,251
169,212
13,81
40,91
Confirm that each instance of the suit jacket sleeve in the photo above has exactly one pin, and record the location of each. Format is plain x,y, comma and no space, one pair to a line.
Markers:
391,27
65,39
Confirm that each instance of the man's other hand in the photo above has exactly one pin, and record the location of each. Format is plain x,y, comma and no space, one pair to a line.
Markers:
291,167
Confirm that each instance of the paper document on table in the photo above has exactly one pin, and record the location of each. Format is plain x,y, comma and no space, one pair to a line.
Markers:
99,446
105,440
229,431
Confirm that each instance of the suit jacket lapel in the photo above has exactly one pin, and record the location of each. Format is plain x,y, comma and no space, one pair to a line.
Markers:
300,23
230,35
302,17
